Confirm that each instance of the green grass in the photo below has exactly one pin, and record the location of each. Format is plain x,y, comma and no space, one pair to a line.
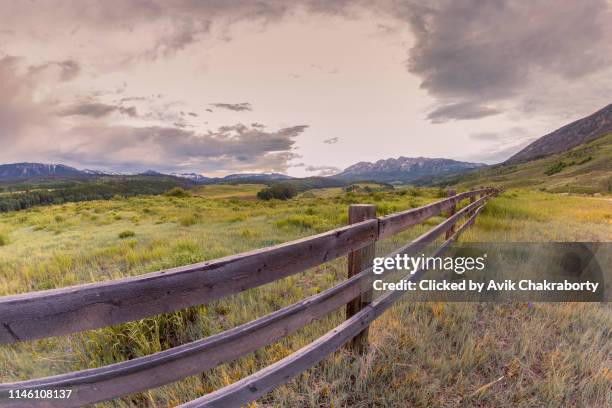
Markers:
585,169
427,354
126,234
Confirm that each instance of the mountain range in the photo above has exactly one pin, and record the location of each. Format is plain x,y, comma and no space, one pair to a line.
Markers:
37,171
417,170
404,169
20,171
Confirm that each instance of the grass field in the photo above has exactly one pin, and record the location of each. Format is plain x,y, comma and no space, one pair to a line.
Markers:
427,354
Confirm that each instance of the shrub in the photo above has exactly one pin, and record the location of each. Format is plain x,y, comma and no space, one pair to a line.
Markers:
299,221
3,239
280,191
265,194
415,192
555,168
126,234
189,220
176,192
441,193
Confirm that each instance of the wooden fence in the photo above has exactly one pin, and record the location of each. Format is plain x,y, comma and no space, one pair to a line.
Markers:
68,310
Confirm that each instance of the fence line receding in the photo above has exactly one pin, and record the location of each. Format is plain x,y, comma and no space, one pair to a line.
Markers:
72,309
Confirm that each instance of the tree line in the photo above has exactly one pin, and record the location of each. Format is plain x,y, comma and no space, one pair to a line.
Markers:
32,196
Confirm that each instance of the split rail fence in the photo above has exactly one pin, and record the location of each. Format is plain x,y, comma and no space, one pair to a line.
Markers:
68,310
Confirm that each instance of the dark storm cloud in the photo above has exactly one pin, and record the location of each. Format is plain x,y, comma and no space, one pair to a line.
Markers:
460,111
97,110
237,147
332,140
238,107
471,53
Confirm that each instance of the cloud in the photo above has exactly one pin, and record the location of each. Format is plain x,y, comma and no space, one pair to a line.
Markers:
67,69
500,144
97,110
238,107
460,111
24,109
184,32
470,54
486,136
498,153
323,170
230,148
333,140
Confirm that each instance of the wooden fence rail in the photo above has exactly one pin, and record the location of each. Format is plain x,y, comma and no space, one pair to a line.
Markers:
67,310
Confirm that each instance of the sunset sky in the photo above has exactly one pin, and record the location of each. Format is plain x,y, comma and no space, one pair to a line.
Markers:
299,87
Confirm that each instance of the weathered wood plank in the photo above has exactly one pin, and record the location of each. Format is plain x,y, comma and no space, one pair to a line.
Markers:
451,211
260,383
395,223
100,384
472,213
71,309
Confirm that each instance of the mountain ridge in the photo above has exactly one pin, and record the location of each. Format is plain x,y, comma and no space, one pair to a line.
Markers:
27,171
574,134
404,169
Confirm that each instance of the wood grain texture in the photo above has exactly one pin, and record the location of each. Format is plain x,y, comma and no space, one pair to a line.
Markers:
104,383
77,308
358,261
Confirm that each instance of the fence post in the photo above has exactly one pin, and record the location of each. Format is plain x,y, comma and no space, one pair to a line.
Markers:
357,261
472,199
451,212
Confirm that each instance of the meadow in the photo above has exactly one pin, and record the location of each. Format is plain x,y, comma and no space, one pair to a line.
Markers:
421,354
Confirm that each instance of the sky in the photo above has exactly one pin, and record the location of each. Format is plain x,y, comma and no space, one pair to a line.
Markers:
302,87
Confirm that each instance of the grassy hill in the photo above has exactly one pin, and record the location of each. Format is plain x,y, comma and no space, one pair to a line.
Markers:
585,169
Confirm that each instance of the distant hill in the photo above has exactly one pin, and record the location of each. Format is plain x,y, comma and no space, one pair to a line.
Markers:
404,169
576,133
195,177
583,169
34,172
245,178
255,177
24,171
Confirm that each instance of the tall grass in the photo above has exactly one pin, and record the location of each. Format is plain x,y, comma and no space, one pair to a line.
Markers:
427,354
